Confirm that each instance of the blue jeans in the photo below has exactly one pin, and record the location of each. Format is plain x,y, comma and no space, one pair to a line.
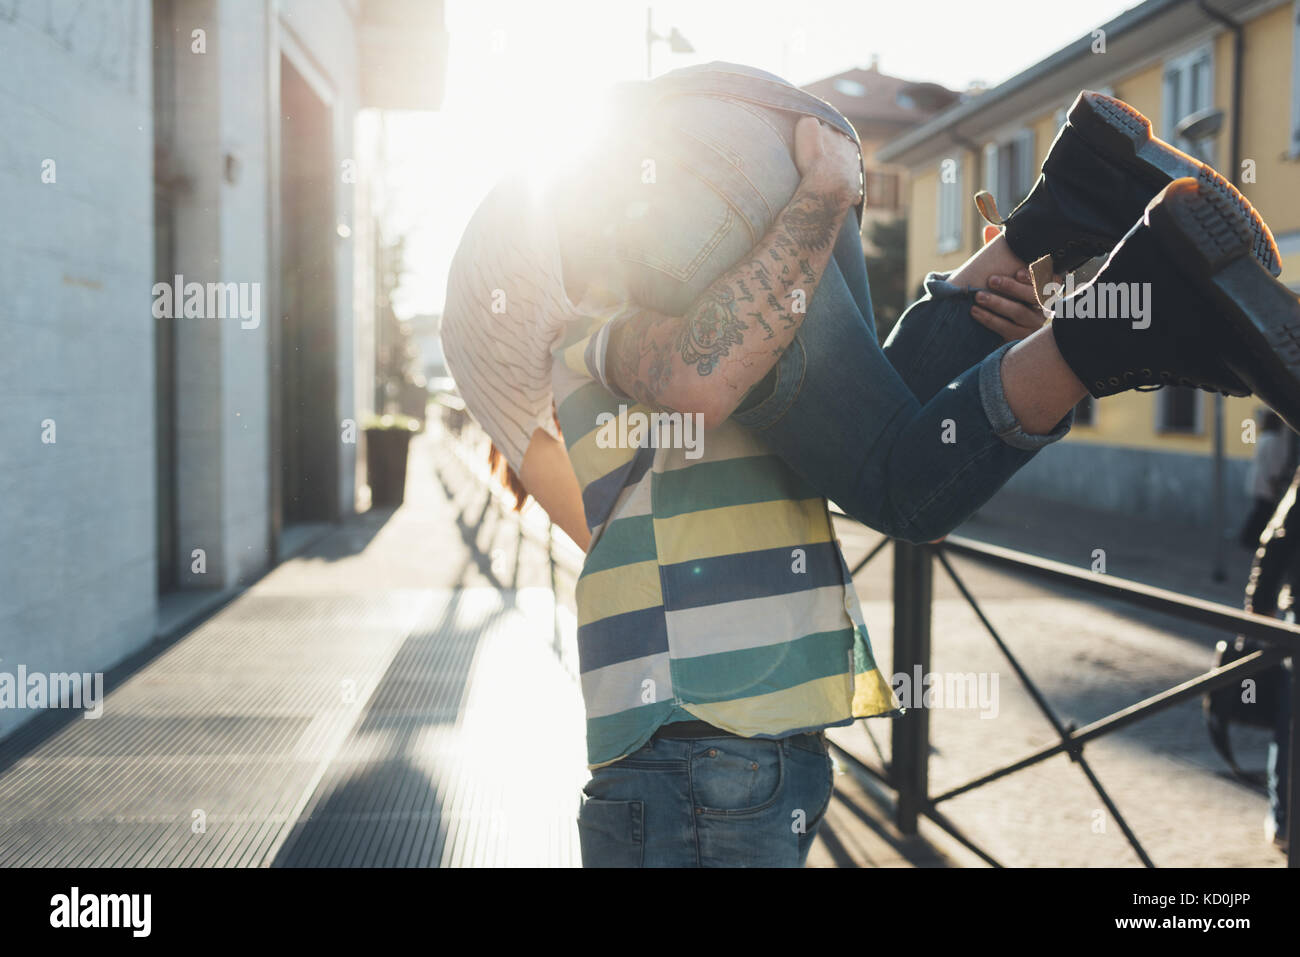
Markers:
710,802
910,438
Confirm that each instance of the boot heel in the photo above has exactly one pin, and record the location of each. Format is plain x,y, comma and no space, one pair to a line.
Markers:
1262,245
1200,225
1209,240
1123,135
1110,125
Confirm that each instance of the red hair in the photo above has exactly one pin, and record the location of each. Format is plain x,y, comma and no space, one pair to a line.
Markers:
503,473
509,479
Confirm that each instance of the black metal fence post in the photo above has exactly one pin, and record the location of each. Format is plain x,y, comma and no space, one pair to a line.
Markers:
909,765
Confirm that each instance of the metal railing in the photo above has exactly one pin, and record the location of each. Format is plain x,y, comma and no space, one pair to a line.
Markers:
468,441
907,771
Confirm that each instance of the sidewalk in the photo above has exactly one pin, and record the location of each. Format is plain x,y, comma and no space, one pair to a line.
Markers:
379,700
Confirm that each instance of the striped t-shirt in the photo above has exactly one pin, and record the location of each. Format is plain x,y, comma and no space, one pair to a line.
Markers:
714,587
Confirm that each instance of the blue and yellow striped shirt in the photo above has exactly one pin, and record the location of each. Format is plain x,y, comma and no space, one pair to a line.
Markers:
714,588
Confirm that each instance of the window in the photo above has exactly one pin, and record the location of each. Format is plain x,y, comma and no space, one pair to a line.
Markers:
1010,170
1188,89
883,190
951,205
1295,80
1178,409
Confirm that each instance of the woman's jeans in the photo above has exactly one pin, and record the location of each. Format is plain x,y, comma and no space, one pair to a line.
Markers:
910,438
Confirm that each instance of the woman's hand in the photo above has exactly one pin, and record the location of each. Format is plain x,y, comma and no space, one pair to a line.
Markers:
825,154
1009,307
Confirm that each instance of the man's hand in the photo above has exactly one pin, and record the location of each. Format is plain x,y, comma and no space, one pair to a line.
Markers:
825,155
1010,308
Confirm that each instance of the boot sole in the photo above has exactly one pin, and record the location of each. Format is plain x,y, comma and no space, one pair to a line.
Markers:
1123,136
1210,242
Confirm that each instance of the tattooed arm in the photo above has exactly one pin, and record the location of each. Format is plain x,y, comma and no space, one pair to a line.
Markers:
730,338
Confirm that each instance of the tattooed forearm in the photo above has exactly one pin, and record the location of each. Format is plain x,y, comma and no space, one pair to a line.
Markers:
741,324
758,317
811,221
641,355
712,328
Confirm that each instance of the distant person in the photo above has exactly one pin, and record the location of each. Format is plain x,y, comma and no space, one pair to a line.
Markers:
1266,475
1274,580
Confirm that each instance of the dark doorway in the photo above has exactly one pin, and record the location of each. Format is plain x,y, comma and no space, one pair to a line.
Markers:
307,353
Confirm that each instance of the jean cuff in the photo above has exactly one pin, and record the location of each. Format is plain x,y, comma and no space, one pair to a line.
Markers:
937,286
1001,418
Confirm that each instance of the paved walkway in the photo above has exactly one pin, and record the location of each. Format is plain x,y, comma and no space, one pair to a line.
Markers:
377,700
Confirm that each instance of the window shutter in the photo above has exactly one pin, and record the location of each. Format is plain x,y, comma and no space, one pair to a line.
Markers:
949,211
940,209
1170,103
1203,83
958,205
1025,175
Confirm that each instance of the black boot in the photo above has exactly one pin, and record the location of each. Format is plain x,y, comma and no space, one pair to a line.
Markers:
1102,170
1181,301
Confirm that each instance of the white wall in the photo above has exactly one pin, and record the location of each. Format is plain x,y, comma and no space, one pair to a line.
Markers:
77,573
78,557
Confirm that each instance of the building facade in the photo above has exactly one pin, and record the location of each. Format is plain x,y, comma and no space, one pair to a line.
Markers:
1175,60
187,290
881,107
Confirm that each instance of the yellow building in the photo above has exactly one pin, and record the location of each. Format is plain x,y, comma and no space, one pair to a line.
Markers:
1147,452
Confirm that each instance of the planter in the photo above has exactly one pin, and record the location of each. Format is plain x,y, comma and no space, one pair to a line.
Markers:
387,444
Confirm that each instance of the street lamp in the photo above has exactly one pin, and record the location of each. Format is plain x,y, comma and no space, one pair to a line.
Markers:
1197,127
676,42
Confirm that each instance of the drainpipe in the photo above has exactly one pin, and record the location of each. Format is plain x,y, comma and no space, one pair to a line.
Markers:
1238,62
1234,149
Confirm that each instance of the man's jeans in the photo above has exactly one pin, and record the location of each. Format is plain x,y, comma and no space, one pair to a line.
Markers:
910,439
710,802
